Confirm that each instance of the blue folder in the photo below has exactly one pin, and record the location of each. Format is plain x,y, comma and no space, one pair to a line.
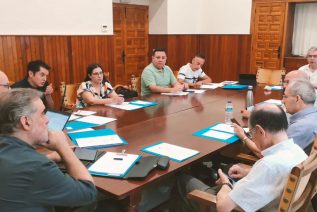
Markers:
235,87
229,140
76,125
148,103
95,133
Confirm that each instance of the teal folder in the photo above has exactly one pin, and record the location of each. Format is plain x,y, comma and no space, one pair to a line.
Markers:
96,133
76,125
235,87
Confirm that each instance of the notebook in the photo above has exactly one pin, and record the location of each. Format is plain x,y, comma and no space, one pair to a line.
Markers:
57,120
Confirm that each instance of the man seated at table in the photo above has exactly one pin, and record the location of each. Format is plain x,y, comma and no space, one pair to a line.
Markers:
158,77
29,180
311,68
261,185
4,82
37,73
299,98
192,74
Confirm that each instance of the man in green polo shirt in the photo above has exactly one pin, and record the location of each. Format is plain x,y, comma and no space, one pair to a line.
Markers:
159,78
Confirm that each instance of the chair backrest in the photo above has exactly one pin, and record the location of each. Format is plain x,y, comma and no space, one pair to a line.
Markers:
270,77
301,186
68,94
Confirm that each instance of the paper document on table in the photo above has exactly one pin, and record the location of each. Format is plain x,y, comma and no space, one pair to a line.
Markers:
195,91
223,127
211,86
218,135
84,112
229,82
125,106
174,152
73,117
96,119
82,130
99,141
113,164
181,93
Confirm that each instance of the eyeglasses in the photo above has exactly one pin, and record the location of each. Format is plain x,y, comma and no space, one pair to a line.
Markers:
5,85
97,73
312,56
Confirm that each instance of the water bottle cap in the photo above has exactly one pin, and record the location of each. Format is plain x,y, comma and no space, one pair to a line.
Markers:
250,87
229,101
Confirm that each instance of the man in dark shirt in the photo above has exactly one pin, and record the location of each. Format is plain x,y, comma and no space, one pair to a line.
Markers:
29,181
37,73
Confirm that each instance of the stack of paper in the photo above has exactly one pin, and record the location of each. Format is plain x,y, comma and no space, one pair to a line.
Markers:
174,152
195,91
220,132
133,105
114,164
96,138
88,121
211,85
181,93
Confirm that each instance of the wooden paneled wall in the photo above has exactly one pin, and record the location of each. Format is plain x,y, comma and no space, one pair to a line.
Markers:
226,55
68,56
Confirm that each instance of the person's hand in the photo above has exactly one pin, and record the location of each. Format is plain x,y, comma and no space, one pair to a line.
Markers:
54,156
238,171
186,86
198,84
56,140
239,131
118,100
177,87
223,178
49,90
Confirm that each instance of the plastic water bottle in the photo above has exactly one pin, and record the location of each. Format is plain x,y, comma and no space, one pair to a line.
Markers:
228,112
249,97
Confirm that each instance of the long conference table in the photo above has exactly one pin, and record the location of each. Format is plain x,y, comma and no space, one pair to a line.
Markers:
173,120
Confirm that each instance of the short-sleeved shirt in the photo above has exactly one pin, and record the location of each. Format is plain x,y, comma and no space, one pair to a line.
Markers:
312,74
264,184
25,84
105,90
153,76
32,182
188,75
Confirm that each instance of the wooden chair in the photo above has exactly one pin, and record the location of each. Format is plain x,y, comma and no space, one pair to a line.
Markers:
270,77
69,95
298,191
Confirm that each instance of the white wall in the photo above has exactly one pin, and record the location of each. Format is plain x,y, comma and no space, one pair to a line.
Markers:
201,17
55,17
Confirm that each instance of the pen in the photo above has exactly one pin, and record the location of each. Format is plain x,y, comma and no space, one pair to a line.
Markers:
117,158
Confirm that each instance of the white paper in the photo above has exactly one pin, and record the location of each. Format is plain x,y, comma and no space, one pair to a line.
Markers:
211,86
195,90
229,82
99,141
73,117
82,130
125,106
84,112
223,127
113,163
96,119
218,135
172,151
274,101
140,102
181,93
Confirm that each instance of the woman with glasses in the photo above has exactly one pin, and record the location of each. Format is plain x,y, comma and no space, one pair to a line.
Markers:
95,90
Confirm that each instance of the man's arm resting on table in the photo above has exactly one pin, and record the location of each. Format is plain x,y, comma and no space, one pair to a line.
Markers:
160,89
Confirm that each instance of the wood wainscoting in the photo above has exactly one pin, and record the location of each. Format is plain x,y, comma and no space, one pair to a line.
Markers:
226,55
68,56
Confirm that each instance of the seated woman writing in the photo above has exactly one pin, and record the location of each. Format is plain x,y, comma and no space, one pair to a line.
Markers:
95,90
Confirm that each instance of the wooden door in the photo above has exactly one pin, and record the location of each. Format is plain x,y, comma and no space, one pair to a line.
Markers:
267,35
130,41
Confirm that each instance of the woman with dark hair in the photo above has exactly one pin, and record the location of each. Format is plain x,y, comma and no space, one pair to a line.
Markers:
95,90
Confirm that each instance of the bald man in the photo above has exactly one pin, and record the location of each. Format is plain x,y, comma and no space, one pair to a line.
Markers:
4,82
295,74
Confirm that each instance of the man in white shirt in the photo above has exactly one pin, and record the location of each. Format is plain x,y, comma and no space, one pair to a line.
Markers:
311,68
192,74
4,82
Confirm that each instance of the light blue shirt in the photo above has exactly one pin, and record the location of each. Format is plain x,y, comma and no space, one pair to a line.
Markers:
303,127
